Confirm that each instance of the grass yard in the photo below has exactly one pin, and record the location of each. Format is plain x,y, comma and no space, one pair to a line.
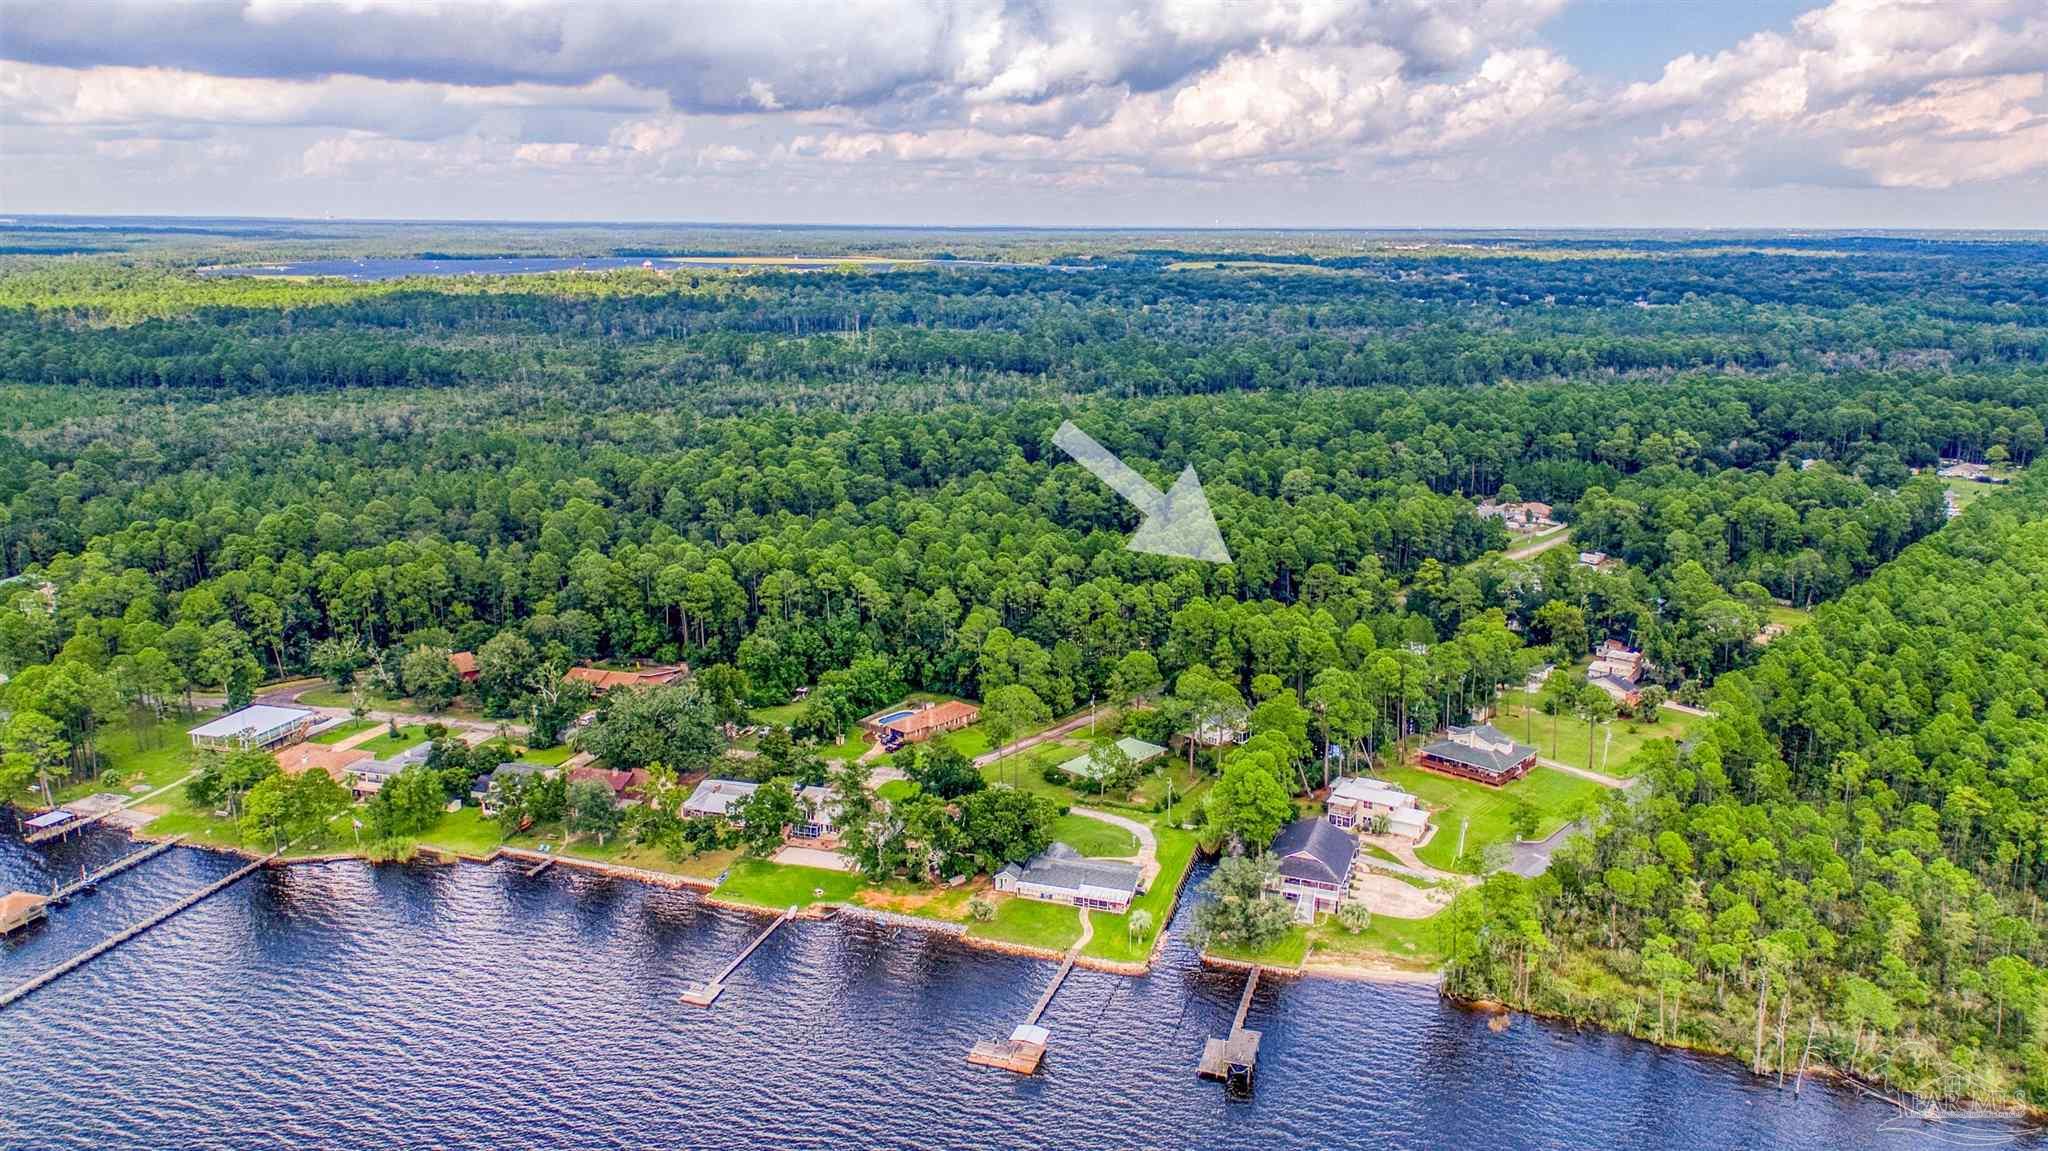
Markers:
850,746
464,832
1026,771
773,885
342,730
1288,952
969,741
1788,617
920,899
896,790
1094,837
781,715
1053,926
1112,932
552,756
1555,795
1407,942
155,754
1568,743
387,745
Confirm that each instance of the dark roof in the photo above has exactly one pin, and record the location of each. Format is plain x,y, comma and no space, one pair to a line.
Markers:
482,786
1486,759
1062,866
1314,849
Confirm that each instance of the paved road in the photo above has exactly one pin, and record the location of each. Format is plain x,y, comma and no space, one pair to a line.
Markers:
1532,859
1558,540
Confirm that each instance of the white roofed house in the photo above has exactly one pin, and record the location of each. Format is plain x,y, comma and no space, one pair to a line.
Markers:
1358,802
256,726
819,812
719,798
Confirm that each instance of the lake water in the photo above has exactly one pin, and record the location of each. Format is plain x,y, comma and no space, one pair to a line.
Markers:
342,1005
486,266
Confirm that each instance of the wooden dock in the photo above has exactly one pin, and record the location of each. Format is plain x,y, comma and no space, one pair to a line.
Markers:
706,993
130,932
87,882
1025,1047
537,868
1235,1058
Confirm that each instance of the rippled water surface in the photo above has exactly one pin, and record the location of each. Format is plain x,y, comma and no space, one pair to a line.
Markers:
342,1005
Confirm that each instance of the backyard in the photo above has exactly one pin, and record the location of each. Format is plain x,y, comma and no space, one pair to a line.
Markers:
153,754
1566,739
1053,926
1094,837
387,745
1557,797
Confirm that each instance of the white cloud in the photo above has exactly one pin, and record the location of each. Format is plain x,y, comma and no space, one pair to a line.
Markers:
868,97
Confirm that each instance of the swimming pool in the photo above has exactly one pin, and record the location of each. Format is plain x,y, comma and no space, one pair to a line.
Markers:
892,717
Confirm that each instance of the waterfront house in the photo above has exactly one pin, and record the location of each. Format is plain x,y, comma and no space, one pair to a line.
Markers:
604,679
917,722
626,786
366,777
1314,866
718,797
818,819
256,726
1481,752
1086,767
1059,874
1617,669
1358,802
488,785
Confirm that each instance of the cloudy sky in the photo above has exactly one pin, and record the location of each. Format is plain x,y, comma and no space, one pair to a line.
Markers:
1091,112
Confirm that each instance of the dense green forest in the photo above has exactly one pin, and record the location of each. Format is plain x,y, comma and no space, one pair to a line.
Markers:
845,478
1859,837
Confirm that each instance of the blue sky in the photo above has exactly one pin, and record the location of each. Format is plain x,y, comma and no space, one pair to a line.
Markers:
1847,113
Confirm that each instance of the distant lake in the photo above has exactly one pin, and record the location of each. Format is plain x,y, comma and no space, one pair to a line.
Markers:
349,1006
489,266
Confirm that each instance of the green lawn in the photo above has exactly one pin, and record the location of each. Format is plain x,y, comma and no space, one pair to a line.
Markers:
1788,617
155,754
1026,771
1555,795
1054,926
1568,739
896,790
1094,837
782,714
204,829
388,745
969,741
850,746
763,884
552,756
343,730
465,832
1289,951
1409,942
1112,932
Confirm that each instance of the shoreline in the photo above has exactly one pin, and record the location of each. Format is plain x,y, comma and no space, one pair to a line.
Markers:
1348,970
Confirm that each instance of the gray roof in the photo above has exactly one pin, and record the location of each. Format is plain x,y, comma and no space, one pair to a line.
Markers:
1314,849
1490,759
483,782
384,768
1062,866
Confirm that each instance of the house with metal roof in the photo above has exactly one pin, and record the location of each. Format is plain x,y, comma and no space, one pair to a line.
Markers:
1481,752
1315,861
1360,803
718,797
1059,874
1086,767
256,726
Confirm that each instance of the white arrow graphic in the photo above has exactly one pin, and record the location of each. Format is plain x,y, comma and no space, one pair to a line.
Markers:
1177,523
